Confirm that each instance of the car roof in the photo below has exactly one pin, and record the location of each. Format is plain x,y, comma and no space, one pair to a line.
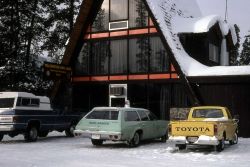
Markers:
118,108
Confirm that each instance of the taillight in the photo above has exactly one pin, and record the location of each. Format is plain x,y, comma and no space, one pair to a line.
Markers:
215,129
169,129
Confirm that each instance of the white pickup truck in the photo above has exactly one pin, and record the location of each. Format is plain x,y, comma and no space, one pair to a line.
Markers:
30,115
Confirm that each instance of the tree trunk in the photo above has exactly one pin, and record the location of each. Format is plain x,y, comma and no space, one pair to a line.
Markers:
71,17
30,35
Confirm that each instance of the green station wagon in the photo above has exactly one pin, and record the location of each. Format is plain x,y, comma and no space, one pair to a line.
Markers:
131,125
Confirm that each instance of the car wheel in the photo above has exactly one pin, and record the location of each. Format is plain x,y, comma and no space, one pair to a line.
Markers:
70,131
235,139
135,141
1,137
164,138
96,142
181,146
43,133
31,134
220,147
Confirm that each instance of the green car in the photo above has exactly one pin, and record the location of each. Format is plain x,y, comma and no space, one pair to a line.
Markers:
131,125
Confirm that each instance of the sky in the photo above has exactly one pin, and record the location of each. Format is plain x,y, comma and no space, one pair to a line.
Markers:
238,12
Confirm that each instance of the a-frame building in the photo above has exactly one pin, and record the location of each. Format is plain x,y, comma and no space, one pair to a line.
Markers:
163,50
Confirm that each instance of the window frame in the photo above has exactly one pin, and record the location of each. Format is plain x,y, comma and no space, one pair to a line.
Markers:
126,118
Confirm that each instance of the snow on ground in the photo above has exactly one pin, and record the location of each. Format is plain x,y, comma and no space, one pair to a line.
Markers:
60,151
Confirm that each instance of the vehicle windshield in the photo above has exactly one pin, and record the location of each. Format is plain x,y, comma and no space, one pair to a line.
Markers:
103,114
7,102
207,113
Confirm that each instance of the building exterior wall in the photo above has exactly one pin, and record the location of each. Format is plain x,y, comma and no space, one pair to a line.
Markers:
133,55
159,97
136,56
232,93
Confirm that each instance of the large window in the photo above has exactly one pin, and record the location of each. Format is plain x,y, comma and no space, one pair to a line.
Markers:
138,55
82,61
118,10
121,10
101,22
100,57
122,56
159,61
118,58
138,15
214,53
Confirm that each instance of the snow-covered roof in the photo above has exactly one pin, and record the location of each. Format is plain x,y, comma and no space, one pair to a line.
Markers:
173,17
201,25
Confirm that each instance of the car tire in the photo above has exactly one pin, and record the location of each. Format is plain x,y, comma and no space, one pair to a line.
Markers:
97,142
235,139
181,146
43,133
135,141
70,131
164,138
31,134
1,137
220,147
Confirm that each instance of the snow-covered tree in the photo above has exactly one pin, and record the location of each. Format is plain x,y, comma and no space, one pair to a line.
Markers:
245,54
234,53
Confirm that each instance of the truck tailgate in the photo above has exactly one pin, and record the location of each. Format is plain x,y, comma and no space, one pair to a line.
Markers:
191,128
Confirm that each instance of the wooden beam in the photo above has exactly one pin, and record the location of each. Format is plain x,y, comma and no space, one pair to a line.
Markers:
87,14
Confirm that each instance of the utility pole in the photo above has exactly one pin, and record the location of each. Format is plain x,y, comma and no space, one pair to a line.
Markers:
226,14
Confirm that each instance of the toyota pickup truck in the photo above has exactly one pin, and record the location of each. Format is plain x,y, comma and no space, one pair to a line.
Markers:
30,115
205,125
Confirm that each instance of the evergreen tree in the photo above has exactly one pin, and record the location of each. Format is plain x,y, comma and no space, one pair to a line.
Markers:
59,22
234,53
245,54
21,30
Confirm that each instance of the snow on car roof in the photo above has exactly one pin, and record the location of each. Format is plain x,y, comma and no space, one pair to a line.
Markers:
169,14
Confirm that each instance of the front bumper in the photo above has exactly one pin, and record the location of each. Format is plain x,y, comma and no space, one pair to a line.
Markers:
202,140
6,128
101,135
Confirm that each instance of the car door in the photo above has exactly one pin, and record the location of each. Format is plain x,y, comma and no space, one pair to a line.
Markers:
131,124
158,126
148,126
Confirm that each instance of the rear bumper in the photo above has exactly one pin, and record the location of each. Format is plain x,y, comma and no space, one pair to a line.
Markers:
101,135
202,140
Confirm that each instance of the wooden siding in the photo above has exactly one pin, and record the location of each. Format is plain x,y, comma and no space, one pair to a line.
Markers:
231,91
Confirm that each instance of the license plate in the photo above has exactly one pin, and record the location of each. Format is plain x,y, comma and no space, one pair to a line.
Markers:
95,136
192,139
